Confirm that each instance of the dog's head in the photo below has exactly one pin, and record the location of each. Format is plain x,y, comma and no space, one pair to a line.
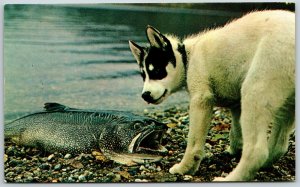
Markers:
160,65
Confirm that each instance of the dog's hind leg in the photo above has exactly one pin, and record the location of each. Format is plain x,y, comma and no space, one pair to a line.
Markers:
283,125
269,82
235,136
257,114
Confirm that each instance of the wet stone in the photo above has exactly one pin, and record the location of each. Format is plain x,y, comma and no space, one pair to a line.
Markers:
57,167
44,166
142,167
140,180
81,178
14,162
67,156
187,177
10,151
50,157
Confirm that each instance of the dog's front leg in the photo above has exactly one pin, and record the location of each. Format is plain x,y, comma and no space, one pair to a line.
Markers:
200,116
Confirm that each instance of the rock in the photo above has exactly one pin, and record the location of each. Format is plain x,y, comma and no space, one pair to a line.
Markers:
213,166
151,168
111,175
14,162
50,157
224,174
124,174
70,179
81,178
187,177
44,166
68,156
57,167
76,164
10,151
140,180
117,178
171,125
5,158
158,168
133,170
142,168
37,172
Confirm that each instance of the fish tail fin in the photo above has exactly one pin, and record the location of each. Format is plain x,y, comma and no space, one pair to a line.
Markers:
12,131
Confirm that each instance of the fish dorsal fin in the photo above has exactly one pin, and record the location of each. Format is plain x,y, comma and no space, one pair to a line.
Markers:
54,107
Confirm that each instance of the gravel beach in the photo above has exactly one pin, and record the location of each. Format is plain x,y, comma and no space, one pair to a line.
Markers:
26,165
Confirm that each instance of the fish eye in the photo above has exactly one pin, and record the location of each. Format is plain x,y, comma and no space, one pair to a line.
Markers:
137,125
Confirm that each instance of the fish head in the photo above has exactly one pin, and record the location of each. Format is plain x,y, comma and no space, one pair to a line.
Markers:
134,136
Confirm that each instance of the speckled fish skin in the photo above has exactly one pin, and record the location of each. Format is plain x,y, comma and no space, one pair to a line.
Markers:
70,130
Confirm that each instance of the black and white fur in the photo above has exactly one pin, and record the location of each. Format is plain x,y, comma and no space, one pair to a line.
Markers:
248,66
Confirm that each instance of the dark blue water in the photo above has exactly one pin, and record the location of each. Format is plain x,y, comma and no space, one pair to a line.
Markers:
79,55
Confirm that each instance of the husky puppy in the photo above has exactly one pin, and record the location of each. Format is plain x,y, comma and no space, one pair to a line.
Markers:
248,66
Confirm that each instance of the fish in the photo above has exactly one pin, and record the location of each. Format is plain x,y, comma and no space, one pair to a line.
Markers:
121,136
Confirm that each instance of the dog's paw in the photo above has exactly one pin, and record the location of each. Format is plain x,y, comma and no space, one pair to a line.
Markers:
182,169
176,169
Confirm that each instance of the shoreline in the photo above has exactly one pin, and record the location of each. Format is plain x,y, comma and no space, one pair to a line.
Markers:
27,165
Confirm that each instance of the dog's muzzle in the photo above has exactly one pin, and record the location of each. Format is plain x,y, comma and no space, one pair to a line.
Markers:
148,98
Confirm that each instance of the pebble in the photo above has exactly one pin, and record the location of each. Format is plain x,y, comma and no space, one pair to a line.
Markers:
81,178
140,180
187,177
208,146
142,168
224,174
68,156
70,179
50,157
10,151
117,178
111,175
45,166
151,168
226,120
37,172
14,162
5,158
57,167
212,167
158,168
84,167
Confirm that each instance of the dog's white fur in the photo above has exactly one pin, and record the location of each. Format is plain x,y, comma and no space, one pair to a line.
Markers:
251,59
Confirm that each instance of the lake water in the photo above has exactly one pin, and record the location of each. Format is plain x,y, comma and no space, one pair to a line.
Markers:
79,55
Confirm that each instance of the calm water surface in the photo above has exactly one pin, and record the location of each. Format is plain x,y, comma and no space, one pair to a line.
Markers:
79,55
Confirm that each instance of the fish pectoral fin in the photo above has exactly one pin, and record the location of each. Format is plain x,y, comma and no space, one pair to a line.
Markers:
132,159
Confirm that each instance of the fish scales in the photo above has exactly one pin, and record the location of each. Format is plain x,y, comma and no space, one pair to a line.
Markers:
68,130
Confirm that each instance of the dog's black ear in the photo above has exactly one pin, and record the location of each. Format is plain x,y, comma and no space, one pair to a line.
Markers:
137,51
155,38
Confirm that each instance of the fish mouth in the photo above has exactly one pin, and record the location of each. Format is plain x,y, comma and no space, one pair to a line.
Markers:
148,142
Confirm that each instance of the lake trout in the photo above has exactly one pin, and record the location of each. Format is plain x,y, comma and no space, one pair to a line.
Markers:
124,137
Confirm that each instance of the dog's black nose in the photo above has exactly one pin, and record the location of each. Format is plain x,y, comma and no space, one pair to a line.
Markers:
147,96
